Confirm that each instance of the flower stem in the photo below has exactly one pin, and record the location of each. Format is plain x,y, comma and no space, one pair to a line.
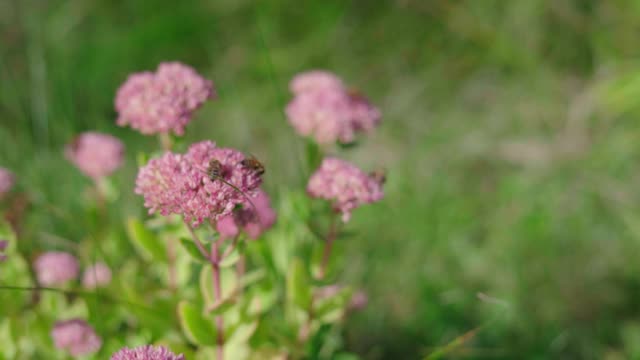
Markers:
165,141
197,241
214,260
215,268
171,256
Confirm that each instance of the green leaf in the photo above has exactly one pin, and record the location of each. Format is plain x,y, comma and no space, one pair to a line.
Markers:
192,250
252,277
261,302
347,146
313,154
228,284
242,332
147,243
298,285
231,259
198,329
142,158
222,306
332,309
206,286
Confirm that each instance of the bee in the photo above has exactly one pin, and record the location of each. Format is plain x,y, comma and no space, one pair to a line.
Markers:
379,175
214,172
250,162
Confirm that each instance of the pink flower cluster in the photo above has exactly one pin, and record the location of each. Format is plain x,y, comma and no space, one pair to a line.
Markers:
146,352
162,101
326,110
56,268
181,183
253,221
95,154
6,181
345,185
76,336
97,275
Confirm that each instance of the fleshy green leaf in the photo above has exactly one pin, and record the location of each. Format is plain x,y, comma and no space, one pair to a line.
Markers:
298,285
231,259
331,309
142,158
222,306
313,154
198,329
192,250
206,286
241,333
146,241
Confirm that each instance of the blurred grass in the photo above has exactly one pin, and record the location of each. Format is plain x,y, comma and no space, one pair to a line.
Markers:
510,133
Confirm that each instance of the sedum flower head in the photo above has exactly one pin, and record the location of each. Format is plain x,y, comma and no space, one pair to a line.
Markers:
324,109
181,184
95,154
75,336
315,80
7,181
146,352
346,186
163,101
254,221
97,275
56,268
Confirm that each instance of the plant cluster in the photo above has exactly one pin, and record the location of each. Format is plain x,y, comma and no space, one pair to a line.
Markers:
221,271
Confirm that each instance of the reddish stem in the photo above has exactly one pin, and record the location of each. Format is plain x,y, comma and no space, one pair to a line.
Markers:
215,268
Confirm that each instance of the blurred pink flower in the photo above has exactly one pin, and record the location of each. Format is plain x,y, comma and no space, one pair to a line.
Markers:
3,247
315,80
162,101
56,268
227,227
253,221
359,300
97,275
323,115
181,184
146,352
76,336
346,186
7,181
95,154
364,116
324,109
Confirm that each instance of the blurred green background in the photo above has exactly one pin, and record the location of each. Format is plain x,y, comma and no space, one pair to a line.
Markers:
510,133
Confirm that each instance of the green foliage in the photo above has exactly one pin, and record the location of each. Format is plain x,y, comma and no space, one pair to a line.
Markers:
146,241
198,328
192,249
298,289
